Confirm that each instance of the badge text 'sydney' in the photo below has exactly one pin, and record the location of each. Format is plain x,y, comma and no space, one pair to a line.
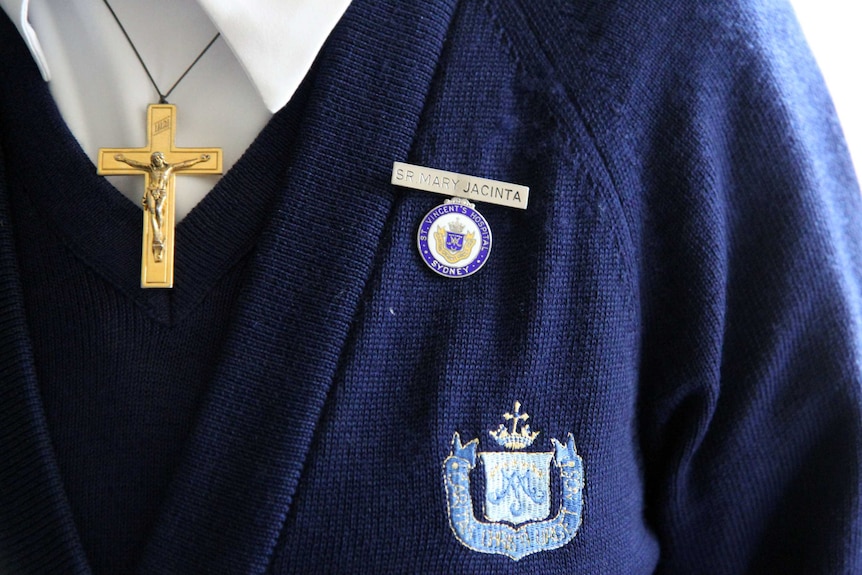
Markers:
460,185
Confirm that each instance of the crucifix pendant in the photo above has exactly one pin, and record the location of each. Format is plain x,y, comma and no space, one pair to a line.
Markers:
159,162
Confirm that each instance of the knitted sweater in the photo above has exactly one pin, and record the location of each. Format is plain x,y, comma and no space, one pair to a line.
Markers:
677,312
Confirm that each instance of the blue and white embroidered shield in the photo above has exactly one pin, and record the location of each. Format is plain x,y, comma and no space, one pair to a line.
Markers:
518,495
517,486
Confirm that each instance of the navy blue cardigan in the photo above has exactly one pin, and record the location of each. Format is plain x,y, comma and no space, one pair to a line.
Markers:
678,312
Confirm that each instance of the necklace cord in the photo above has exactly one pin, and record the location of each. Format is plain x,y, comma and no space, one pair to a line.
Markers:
189,69
163,98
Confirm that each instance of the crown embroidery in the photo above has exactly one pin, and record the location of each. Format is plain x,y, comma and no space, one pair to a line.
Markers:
515,439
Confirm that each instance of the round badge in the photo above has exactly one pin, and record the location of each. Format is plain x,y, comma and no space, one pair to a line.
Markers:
454,239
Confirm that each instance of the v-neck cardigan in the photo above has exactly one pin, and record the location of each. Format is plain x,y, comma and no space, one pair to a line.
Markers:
681,299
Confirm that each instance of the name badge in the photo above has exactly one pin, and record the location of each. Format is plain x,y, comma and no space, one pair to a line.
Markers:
460,185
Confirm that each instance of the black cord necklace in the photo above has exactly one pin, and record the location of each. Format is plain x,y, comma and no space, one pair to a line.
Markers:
163,98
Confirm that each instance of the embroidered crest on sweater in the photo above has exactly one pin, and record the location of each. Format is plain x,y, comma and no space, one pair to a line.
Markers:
519,499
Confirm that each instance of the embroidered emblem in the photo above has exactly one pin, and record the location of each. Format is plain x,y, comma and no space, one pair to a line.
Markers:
518,498
454,239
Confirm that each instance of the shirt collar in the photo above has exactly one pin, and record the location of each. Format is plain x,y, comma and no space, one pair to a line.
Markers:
276,41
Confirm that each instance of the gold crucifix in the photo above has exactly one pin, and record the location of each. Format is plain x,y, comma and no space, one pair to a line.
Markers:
159,162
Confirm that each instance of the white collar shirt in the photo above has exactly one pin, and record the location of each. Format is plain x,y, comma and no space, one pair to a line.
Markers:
266,49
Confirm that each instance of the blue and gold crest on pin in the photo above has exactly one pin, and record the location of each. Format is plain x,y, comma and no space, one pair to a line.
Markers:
518,496
454,239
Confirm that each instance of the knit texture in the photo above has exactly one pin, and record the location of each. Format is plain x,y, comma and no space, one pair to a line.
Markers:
682,296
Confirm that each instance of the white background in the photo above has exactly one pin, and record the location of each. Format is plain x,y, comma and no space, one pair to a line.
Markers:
833,29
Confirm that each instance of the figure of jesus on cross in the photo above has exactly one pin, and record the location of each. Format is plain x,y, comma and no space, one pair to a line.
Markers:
157,191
